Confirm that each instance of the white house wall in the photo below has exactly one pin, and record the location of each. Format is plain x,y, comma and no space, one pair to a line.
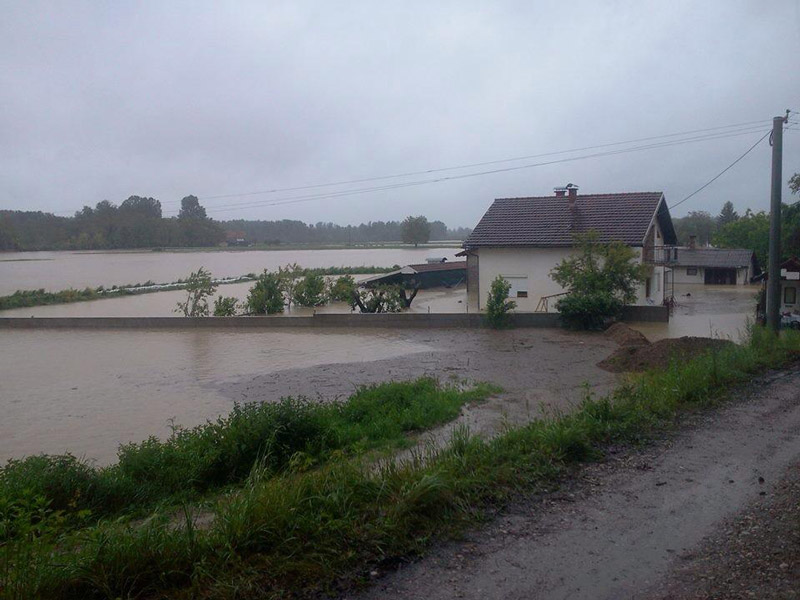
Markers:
534,265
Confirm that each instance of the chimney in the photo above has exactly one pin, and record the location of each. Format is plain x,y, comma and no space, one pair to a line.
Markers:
572,194
692,242
560,192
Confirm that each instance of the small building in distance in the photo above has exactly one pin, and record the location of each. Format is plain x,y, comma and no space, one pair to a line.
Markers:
423,276
714,266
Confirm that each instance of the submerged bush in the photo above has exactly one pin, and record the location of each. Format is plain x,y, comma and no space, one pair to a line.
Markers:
498,306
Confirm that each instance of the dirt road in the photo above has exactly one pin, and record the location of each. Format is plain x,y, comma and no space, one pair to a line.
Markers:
623,528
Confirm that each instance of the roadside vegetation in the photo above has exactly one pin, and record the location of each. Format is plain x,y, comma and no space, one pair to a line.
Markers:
300,524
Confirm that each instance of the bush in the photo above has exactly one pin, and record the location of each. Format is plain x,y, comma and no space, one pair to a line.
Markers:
225,306
589,311
199,288
498,305
310,291
343,289
266,297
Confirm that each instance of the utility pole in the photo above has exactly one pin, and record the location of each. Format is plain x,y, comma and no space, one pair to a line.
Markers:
774,273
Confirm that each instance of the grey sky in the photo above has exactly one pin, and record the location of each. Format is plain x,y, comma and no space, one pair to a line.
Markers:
105,100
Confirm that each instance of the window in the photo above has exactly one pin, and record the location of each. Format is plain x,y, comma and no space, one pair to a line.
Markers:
691,270
789,295
519,286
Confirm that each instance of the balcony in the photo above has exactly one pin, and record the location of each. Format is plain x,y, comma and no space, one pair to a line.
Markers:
660,255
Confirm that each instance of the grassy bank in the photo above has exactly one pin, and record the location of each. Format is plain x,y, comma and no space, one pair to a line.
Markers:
40,297
306,526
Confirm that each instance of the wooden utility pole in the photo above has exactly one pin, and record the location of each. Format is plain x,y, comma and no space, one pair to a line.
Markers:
774,273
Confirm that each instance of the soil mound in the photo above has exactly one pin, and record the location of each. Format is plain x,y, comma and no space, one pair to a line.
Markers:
660,354
625,336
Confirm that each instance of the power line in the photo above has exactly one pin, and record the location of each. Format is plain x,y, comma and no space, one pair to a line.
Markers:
721,173
342,193
478,164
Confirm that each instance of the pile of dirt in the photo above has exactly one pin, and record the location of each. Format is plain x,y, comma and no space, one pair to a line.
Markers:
641,357
625,336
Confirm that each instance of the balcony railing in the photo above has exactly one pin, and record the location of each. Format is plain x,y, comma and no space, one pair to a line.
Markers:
660,255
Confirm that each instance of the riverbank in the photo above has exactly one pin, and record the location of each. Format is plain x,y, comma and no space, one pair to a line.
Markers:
314,529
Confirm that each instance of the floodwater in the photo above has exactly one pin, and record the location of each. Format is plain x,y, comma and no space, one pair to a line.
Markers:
55,271
87,391
719,311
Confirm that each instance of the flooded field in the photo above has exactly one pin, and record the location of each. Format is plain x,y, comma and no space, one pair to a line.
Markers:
55,271
86,392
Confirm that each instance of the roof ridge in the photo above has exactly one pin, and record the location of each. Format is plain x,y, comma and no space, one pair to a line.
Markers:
606,194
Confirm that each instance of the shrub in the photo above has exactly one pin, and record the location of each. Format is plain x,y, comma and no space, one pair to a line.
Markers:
589,311
265,297
498,305
199,288
342,289
310,290
225,306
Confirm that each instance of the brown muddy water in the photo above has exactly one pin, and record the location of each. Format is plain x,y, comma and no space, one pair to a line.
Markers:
55,271
87,392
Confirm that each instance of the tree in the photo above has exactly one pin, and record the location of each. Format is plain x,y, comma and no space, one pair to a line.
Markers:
416,230
697,223
600,279
379,299
199,287
288,278
265,297
727,214
310,291
794,183
144,207
191,209
225,306
498,305
749,231
342,289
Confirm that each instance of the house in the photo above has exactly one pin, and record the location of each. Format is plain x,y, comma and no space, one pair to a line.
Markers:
423,276
716,266
790,287
523,239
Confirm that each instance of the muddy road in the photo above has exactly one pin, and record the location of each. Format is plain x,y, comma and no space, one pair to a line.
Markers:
623,528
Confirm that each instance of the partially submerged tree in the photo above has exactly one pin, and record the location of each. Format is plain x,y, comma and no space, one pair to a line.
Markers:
225,306
288,277
379,299
310,291
498,306
342,289
600,279
265,297
415,230
199,288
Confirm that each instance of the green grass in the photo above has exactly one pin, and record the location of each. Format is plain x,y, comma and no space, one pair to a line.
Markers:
305,528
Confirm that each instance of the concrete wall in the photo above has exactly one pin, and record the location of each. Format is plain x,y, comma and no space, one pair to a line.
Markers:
350,321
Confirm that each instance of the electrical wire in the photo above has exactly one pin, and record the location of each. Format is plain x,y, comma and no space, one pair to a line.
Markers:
721,173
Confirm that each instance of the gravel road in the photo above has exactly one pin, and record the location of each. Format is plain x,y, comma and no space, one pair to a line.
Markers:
634,525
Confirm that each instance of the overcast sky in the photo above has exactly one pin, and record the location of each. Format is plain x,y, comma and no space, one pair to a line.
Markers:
103,100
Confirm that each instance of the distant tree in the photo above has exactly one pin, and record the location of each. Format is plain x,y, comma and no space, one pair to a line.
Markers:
751,231
416,230
727,214
310,290
498,306
8,239
600,279
191,209
225,306
265,297
199,288
144,207
697,223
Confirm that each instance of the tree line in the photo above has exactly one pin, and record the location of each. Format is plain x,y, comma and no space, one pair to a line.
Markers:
750,230
138,223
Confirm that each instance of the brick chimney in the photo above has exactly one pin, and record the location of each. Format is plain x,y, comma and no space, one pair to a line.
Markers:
572,195
692,242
